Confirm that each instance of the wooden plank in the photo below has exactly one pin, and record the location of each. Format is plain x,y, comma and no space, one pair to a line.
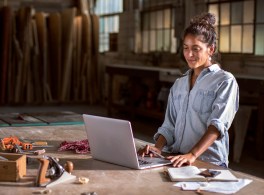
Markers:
76,83
54,42
67,18
42,38
5,41
17,119
86,57
59,118
23,27
36,77
94,61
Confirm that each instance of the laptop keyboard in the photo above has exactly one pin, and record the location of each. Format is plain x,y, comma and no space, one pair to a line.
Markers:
143,162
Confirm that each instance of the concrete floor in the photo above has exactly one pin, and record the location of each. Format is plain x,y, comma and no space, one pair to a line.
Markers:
144,128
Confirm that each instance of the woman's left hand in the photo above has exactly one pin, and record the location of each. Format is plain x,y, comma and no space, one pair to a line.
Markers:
180,160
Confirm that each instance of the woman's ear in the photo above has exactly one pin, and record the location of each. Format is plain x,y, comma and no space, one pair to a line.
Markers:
211,49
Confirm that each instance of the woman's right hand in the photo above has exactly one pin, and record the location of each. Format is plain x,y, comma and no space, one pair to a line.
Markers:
147,151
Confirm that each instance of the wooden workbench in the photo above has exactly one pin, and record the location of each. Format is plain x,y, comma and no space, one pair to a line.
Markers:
104,178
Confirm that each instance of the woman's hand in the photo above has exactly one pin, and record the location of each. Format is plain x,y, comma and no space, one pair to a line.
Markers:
147,150
180,160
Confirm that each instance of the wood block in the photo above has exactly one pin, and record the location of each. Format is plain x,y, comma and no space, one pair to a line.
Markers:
14,168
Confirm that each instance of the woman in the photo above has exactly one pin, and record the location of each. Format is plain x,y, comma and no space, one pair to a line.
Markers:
201,104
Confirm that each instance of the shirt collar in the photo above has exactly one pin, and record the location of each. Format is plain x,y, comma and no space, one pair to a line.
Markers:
212,68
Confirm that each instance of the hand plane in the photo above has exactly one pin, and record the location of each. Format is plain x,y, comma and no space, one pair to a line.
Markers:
52,173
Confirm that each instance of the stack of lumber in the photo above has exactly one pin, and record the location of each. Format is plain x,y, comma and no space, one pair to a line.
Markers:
49,57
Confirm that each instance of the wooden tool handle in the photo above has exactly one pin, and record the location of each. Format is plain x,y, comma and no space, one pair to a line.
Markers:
43,167
68,166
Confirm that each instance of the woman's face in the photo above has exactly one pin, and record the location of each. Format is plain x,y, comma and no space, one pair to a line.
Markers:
196,53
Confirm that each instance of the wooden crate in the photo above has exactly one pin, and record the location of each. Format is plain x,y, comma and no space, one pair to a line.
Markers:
13,169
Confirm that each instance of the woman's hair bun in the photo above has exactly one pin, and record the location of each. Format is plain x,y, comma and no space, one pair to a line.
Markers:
205,18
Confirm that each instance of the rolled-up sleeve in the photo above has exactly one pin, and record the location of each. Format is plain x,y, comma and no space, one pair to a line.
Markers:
168,126
225,106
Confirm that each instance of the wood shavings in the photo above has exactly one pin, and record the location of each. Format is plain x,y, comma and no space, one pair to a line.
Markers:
82,180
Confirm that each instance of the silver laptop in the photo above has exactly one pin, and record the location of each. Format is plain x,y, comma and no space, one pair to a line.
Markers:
111,140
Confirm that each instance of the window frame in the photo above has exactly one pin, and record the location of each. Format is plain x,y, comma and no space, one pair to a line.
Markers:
231,25
107,34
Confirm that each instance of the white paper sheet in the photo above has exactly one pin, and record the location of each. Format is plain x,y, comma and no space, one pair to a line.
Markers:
219,187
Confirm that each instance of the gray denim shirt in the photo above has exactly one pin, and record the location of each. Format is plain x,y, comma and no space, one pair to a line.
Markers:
213,100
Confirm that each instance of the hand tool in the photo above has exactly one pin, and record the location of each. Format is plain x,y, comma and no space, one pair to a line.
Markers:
57,173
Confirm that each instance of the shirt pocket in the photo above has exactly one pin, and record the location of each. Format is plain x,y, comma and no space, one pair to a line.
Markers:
203,101
178,101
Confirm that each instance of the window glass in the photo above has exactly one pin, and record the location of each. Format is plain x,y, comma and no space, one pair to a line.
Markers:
166,46
152,40
260,12
236,37
108,11
159,24
160,40
146,21
235,24
145,41
224,39
259,40
248,39
159,19
167,18
173,42
225,14
214,10
153,20
248,16
236,13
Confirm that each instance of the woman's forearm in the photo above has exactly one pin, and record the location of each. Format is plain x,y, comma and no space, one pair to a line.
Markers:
208,138
161,142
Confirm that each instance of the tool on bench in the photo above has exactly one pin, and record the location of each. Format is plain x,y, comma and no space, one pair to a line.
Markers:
9,143
56,173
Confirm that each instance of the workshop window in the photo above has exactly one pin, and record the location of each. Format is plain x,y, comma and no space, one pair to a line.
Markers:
235,26
108,11
158,31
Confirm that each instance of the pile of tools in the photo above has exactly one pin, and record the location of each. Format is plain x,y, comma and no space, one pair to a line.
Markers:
50,171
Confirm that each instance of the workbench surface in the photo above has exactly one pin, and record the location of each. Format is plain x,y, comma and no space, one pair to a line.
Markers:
104,178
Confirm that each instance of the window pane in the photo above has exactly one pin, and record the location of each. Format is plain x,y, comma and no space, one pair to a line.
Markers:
167,18
236,35
106,24
101,29
214,10
145,41
152,40
153,20
173,42
146,21
259,40
236,14
248,12
225,14
248,39
167,40
159,18
224,39
108,6
116,24
160,40
260,12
